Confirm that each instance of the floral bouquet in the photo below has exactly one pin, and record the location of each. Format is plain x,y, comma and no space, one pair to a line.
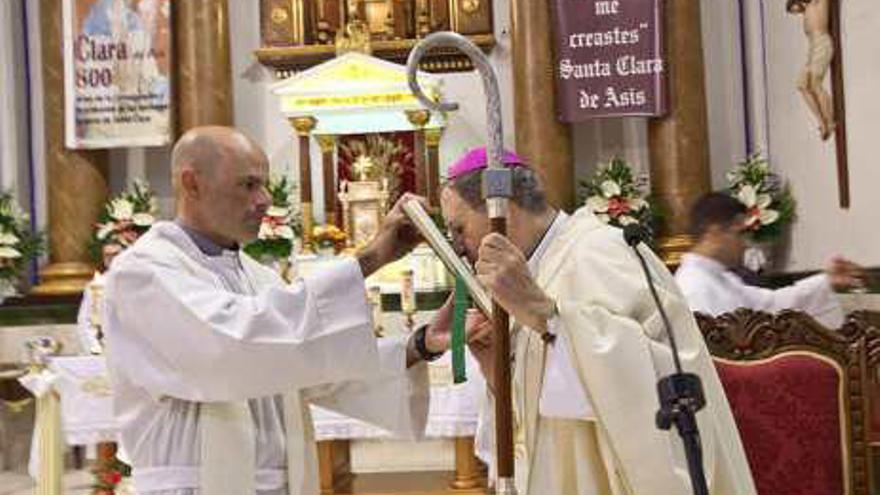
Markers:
18,244
769,202
125,218
108,476
280,226
616,198
328,236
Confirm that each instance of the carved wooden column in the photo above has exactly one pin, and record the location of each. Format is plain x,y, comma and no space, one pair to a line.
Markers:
540,138
304,127
76,180
432,142
328,148
204,69
679,142
419,118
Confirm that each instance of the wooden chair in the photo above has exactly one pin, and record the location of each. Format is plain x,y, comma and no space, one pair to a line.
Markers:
798,394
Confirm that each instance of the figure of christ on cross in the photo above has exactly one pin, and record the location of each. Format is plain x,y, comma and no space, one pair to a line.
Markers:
817,26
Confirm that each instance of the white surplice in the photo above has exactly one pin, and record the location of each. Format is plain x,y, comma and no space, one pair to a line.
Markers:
584,407
214,361
711,288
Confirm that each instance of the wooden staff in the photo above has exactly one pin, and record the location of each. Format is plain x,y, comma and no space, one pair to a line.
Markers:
497,189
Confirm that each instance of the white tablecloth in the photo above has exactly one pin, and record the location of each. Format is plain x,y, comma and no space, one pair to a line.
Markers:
453,411
87,412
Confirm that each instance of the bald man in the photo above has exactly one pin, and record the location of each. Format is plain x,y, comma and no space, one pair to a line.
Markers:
215,360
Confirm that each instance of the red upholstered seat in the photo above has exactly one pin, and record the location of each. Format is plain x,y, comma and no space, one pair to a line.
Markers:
788,410
798,393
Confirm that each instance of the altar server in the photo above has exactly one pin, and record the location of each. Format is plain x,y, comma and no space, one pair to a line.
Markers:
588,348
710,286
215,360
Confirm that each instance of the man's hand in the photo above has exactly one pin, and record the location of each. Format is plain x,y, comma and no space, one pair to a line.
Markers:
438,335
844,274
503,270
396,237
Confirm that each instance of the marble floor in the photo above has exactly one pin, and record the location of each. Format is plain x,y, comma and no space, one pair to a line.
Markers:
75,483
425,483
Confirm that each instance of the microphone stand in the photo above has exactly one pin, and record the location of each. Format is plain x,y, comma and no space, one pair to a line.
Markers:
681,394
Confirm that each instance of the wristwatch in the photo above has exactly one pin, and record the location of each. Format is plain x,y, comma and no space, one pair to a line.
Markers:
422,348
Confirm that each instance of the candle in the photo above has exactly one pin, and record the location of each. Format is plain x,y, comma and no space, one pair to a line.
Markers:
407,293
375,296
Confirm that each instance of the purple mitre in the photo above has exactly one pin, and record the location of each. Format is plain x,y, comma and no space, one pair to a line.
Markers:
476,159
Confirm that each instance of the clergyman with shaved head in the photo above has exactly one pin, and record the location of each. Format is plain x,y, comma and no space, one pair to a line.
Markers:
215,360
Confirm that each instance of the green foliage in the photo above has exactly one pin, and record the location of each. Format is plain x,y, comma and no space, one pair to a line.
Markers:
18,243
769,201
617,198
124,219
281,225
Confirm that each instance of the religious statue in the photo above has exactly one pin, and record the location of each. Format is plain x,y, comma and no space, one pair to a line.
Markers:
355,36
817,26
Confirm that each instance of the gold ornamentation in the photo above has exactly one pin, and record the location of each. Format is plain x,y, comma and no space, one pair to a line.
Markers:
363,167
303,125
326,142
433,136
470,6
672,248
308,222
418,118
18,406
355,36
97,385
364,203
279,15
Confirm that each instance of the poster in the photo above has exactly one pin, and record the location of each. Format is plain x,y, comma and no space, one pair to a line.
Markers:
609,58
117,84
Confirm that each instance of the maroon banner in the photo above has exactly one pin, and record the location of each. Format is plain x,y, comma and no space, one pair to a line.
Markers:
609,56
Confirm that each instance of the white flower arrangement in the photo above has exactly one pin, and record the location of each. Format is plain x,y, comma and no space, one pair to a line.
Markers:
280,225
18,244
770,205
125,218
616,198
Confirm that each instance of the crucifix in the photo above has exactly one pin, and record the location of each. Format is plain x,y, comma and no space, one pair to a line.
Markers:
822,28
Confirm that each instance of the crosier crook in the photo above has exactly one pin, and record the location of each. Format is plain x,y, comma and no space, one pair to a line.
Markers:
497,189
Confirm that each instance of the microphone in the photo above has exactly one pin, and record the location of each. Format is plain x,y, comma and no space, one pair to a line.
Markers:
634,234
681,394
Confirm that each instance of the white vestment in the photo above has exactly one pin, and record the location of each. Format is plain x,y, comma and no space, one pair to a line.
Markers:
214,361
711,288
601,439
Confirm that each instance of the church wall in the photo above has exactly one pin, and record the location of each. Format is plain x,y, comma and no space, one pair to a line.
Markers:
770,117
822,228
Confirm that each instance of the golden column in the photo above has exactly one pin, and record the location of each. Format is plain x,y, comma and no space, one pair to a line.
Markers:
76,180
304,127
204,69
679,142
540,138
432,142
328,147
419,119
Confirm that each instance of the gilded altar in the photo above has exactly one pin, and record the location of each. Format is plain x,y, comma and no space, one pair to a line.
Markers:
297,34
373,141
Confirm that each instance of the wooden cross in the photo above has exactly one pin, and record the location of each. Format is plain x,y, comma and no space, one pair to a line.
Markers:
839,106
